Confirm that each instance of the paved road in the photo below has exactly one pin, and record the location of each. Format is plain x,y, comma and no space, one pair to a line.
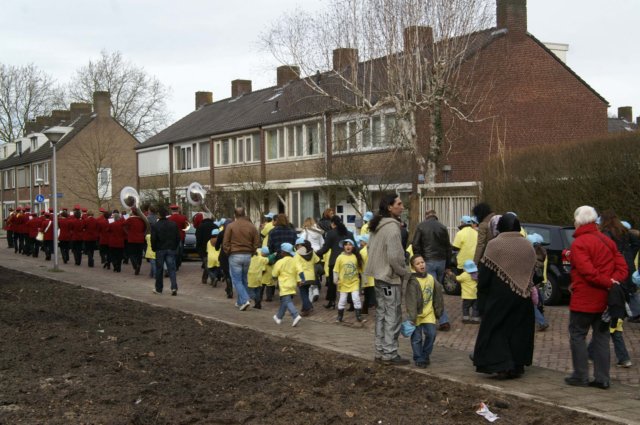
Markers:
542,382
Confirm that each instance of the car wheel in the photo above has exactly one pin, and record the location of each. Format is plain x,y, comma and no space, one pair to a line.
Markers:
451,285
551,294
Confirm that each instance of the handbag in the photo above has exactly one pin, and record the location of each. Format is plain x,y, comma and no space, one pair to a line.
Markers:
40,236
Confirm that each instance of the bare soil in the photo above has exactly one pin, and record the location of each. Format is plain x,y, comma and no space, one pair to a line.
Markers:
74,356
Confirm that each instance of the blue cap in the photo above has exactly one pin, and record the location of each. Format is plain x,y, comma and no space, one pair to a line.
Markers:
288,248
474,219
470,267
300,241
466,219
407,328
215,232
535,239
344,241
364,238
264,250
269,215
635,278
626,224
367,216
598,220
220,222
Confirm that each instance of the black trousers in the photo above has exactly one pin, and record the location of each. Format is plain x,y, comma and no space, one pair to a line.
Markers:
10,238
76,247
65,246
89,248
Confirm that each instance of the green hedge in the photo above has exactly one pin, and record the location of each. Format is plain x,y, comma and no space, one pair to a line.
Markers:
546,184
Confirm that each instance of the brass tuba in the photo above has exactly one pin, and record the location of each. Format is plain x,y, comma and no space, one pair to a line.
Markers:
130,199
196,194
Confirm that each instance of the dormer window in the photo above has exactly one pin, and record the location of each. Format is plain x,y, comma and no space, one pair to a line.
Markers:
19,148
34,143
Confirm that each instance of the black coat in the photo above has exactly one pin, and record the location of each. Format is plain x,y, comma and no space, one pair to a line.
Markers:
164,235
203,235
332,242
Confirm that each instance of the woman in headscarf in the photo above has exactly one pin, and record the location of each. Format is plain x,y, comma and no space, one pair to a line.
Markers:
504,345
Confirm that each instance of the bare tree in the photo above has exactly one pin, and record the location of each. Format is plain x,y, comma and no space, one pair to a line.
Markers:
409,58
25,92
251,188
139,100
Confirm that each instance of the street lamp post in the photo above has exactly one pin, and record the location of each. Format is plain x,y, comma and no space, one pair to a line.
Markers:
54,135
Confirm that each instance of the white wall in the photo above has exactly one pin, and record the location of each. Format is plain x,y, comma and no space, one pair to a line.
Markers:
153,162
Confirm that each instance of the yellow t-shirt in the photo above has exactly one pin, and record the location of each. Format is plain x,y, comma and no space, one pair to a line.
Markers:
325,260
265,232
469,287
286,271
213,256
149,253
409,250
364,229
256,270
266,275
466,240
618,327
307,267
428,315
348,273
366,281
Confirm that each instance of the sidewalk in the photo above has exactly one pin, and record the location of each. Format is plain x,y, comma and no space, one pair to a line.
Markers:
542,382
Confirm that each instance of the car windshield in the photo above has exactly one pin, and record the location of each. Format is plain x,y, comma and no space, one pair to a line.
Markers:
191,230
568,233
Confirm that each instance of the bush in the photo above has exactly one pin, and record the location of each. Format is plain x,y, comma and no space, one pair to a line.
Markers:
546,184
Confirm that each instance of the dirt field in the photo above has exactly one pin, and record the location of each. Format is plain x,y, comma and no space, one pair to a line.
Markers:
75,356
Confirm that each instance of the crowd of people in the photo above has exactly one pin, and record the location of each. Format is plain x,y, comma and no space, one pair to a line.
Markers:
498,266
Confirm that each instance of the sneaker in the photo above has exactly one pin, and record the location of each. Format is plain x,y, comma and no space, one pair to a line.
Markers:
296,320
244,306
542,328
421,365
445,327
156,292
601,385
174,292
576,382
396,361
275,319
626,363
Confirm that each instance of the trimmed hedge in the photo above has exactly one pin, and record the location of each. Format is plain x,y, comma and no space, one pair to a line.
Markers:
545,184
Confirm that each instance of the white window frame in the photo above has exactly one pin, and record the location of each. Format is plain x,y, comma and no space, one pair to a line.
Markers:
41,172
240,150
292,141
105,187
186,156
359,134
27,177
9,179
34,144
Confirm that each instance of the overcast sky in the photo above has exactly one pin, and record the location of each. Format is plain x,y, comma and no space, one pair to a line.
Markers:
201,45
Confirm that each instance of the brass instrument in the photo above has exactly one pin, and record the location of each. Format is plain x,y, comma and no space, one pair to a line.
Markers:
196,194
130,199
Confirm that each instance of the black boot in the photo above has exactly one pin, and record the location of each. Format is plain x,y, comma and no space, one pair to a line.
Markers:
358,316
340,315
330,305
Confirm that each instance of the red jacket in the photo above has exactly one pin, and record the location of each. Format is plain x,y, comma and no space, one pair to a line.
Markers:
32,226
136,229
116,234
48,232
595,260
63,227
75,227
90,229
103,230
181,222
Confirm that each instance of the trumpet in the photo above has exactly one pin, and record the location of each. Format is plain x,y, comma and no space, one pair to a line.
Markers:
130,199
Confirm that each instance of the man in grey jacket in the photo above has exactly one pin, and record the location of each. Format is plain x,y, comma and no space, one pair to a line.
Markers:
386,264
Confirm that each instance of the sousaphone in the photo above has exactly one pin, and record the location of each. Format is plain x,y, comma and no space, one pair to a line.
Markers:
129,198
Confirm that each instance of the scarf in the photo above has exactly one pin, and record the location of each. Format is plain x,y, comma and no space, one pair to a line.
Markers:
513,259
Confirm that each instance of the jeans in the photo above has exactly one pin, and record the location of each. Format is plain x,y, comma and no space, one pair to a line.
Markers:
239,269
286,303
619,347
579,324
168,257
436,269
540,320
152,273
634,304
304,294
256,294
388,319
423,346
470,308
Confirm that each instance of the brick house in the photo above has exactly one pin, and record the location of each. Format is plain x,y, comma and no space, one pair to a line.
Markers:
94,159
292,144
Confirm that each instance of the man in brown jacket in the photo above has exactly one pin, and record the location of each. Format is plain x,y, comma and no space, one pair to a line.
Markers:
241,240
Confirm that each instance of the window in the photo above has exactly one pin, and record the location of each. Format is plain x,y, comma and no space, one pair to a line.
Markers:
183,157
19,148
104,183
41,171
295,141
365,133
272,144
240,150
304,203
204,154
23,177
9,179
34,143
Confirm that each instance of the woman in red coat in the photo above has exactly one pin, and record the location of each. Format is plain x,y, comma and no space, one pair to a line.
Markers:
116,241
91,235
46,227
64,237
596,266
136,230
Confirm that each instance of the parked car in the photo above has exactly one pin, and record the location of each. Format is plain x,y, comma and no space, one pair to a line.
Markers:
189,251
559,239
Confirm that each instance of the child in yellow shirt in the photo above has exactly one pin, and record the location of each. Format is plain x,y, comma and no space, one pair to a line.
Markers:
346,275
468,280
286,271
213,259
255,275
367,282
151,256
306,261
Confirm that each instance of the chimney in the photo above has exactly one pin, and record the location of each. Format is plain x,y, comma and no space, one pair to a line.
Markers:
512,14
43,121
287,73
625,113
77,109
638,121
203,98
102,103
344,57
60,116
240,87
417,37
31,126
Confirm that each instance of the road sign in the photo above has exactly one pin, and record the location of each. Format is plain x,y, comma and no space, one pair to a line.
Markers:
39,198
59,195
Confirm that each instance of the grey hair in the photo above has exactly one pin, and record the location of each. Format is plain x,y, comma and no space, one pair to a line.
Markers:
585,215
